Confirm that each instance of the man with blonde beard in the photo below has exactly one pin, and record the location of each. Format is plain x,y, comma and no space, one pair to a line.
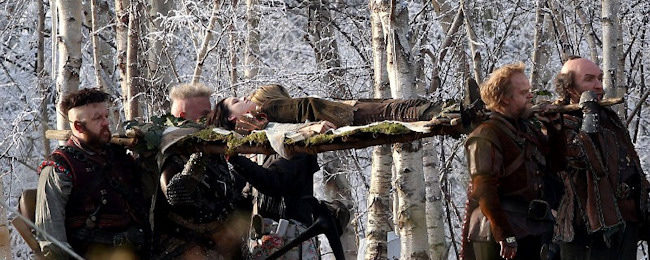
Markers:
606,197
509,198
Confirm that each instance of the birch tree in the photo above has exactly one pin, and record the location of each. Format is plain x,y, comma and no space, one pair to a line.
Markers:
252,50
202,52
477,60
121,38
561,33
68,52
588,28
409,182
610,24
380,177
540,56
321,37
159,71
133,79
40,74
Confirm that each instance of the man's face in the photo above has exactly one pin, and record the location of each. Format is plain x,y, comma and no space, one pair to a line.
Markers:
519,100
90,123
191,109
238,106
587,76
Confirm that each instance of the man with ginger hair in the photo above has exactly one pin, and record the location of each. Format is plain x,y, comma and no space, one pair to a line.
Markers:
606,197
89,193
509,200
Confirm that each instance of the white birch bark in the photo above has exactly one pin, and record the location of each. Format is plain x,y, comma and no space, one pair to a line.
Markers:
133,84
252,51
540,56
409,182
40,73
438,245
203,50
232,44
68,51
380,179
609,20
121,39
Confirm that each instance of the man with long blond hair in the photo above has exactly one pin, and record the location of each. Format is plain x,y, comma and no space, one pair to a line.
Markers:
509,211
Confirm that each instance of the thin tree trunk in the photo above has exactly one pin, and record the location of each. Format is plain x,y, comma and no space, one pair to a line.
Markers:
380,179
159,67
252,51
477,61
621,84
409,182
561,32
69,52
321,37
434,209
203,51
40,72
586,23
232,42
609,20
131,108
121,41
537,45
94,35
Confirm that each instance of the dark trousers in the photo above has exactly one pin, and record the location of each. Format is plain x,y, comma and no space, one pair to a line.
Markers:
623,246
527,248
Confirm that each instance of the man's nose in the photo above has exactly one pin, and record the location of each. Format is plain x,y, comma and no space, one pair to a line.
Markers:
599,85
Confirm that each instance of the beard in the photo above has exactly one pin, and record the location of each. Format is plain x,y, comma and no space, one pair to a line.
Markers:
98,139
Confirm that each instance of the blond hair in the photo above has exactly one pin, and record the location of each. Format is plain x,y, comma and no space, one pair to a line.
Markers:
189,90
267,92
495,89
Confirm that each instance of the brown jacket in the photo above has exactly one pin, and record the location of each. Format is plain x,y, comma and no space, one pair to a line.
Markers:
604,182
298,110
509,166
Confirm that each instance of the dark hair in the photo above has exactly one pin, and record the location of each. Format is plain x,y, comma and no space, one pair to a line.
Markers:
564,82
219,116
81,98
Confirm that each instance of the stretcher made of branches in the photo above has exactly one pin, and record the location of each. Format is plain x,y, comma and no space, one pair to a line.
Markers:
147,137
210,141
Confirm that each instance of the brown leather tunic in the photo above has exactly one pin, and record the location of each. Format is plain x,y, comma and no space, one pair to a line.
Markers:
508,165
605,185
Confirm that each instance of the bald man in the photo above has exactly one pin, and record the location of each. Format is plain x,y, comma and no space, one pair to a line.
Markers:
606,194
89,192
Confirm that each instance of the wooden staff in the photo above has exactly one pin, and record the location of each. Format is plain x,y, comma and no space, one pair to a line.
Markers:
63,135
359,140
574,107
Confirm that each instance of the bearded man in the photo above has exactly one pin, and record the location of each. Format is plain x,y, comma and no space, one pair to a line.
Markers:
511,168
89,193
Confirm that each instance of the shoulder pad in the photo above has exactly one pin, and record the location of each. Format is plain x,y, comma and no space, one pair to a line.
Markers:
487,132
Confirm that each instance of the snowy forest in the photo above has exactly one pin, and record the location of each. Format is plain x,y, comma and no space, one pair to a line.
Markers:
135,50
